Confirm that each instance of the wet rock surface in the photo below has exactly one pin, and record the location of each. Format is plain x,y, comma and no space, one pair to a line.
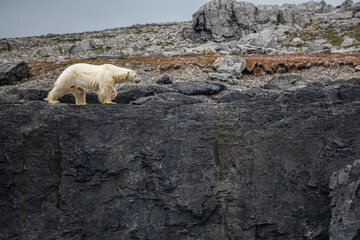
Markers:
160,164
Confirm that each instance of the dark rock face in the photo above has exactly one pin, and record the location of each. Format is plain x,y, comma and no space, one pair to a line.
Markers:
345,186
13,72
254,167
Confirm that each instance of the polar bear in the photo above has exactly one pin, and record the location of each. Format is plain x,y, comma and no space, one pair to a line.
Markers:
82,77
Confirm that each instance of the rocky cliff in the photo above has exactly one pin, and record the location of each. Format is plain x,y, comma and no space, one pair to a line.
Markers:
214,143
187,161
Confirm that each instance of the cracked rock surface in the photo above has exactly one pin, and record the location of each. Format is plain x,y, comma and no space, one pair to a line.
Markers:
252,164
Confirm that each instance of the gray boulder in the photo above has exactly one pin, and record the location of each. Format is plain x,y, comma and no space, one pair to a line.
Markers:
348,42
13,72
345,203
80,47
228,69
297,41
317,48
232,65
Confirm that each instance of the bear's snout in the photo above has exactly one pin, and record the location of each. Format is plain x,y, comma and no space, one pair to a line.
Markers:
136,78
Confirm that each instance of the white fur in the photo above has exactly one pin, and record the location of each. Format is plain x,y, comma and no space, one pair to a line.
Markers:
81,78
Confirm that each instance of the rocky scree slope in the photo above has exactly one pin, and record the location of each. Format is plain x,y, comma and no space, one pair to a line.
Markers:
189,161
223,26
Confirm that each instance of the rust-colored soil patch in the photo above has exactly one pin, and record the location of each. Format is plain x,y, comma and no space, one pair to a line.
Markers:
288,62
256,64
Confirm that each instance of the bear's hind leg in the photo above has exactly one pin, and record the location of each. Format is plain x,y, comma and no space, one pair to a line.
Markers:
105,95
54,94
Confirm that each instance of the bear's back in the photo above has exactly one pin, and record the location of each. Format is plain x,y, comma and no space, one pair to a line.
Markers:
87,70
114,69
83,67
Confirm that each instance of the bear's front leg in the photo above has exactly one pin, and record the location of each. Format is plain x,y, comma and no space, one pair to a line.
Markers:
113,94
105,95
54,94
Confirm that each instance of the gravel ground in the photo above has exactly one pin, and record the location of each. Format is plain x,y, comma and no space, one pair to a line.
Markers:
187,72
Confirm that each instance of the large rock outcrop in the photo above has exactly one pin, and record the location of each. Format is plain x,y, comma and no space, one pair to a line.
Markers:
176,164
228,19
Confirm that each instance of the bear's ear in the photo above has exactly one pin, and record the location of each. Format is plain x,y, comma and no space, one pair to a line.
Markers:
128,74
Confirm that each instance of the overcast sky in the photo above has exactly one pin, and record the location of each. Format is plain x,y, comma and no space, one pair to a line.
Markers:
19,18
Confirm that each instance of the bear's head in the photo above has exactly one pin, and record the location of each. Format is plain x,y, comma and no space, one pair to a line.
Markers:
131,76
